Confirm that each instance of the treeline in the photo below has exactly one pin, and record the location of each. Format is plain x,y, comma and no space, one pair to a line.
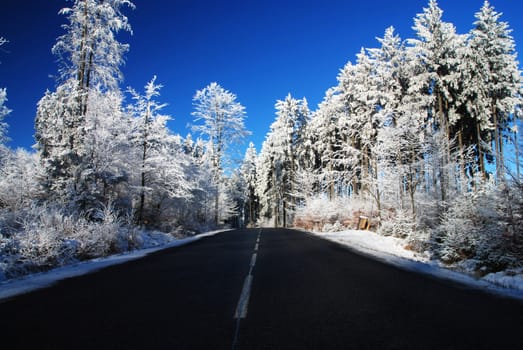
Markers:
420,135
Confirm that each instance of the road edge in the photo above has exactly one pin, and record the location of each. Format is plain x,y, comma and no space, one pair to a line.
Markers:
432,270
29,283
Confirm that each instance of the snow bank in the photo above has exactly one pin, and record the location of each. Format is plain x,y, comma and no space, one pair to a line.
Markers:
391,250
506,280
30,283
371,243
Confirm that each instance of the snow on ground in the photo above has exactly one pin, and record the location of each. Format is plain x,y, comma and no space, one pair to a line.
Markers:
33,282
391,250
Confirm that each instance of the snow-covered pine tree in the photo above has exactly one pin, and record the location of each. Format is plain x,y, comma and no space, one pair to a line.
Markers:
248,173
278,176
90,58
324,136
234,189
359,120
435,53
499,82
292,118
221,118
388,88
266,185
473,129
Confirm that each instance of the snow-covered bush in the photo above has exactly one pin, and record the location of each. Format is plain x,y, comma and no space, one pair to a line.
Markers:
49,237
46,237
481,225
8,255
100,237
19,184
320,213
459,238
401,225
336,227
420,241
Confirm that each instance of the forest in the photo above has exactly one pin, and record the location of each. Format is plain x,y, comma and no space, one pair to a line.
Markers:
419,136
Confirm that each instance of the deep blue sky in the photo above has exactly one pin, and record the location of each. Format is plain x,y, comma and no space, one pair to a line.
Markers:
260,50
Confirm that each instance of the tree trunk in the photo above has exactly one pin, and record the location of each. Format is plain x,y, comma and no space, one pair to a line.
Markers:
444,161
412,185
217,207
481,157
378,194
276,202
284,213
145,146
497,144
516,146
463,182
331,182
365,170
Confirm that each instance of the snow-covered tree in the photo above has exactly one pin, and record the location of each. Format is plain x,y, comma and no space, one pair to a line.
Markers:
89,53
19,182
323,149
159,162
279,154
4,111
266,188
103,175
248,174
146,111
205,189
358,123
435,53
90,58
499,80
219,119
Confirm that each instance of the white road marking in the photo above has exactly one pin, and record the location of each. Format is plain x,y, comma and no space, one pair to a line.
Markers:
241,308
243,303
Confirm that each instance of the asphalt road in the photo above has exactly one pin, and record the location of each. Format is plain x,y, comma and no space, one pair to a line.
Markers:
259,289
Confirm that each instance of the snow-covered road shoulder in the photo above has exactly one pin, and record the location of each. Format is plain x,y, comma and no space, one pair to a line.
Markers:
391,250
33,282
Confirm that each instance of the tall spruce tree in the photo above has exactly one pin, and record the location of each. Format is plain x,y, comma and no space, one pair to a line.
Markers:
435,54
278,163
248,173
492,46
